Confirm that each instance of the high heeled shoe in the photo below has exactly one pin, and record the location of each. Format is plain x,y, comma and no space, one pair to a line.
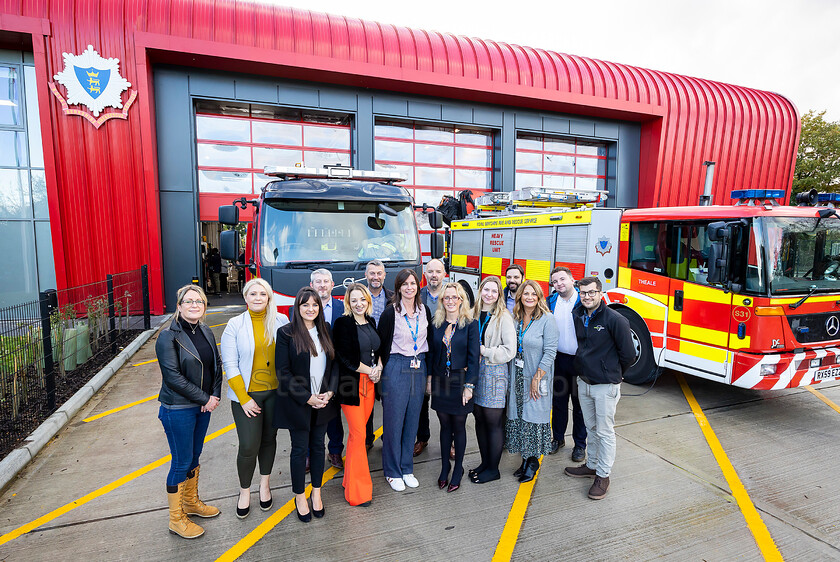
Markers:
531,468
442,484
304,518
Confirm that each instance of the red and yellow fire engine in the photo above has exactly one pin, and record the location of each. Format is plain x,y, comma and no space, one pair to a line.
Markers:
747,295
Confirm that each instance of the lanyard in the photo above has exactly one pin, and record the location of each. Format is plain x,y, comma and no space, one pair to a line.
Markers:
521,334
447,341
483,325
413,331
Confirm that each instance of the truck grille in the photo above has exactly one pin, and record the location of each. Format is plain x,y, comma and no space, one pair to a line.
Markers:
809,328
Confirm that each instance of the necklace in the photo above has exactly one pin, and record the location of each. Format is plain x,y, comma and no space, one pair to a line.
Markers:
190,326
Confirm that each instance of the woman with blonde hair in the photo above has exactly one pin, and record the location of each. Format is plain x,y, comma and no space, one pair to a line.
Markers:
453,372
357,354
528,427
248,356
191,372
497,335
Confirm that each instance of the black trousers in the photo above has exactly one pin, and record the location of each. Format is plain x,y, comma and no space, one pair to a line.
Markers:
565,387
303,440
423,431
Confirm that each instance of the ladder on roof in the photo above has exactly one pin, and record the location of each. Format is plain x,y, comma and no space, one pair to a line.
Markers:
536,200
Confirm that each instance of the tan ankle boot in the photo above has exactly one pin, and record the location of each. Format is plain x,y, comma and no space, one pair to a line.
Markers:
193,505
179,523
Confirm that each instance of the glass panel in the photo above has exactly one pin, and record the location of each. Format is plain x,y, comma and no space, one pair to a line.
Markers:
33,119
561,182
260,181
224,182
313,159
586,183
14,194
326,137
277,133
592,149
430,196
46,263
12,150
405,171
529,142
437,134
394,130
18,276
476,179
479,138
276,157
588,166
557,145
39,195
434,154
393,151
557,163
436,177
10,96
221,155
528,180
529,161
219,128
473,157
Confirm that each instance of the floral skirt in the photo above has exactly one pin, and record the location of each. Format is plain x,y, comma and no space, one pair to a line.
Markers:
526,438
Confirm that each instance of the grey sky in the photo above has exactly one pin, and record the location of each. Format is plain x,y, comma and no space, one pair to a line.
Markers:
788,47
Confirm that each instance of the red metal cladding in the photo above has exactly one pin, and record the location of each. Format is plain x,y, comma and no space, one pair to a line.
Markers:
102,184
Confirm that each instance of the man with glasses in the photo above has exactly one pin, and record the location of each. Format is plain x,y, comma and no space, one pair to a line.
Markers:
562,302
604,351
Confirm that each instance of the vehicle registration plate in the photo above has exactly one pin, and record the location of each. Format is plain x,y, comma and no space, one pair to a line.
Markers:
826,374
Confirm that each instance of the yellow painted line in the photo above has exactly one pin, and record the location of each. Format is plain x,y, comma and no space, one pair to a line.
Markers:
54,514
217,325
120,409
155,360
260,531
824,398
757,527
510,534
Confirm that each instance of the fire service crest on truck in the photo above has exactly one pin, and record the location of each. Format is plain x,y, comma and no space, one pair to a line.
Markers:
603,245
94,82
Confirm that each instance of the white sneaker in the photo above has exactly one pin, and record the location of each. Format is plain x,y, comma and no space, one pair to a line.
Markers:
410,480
397,484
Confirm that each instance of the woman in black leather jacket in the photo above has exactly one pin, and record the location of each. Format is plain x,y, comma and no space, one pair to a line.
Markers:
192,384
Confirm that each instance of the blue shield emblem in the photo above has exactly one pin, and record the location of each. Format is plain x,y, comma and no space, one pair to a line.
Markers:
603,245
93,80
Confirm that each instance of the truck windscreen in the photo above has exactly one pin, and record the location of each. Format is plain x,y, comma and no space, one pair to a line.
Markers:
312,231
802,252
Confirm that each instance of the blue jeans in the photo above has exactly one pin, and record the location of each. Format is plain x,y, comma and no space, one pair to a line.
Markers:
402,397
185,430
598,402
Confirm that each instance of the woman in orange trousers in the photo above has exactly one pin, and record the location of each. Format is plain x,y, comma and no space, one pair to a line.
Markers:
357,351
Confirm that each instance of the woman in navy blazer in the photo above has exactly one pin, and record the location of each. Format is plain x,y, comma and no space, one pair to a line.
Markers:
305,396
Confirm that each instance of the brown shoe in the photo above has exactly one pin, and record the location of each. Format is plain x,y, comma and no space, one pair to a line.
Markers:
191,502
581,471
179,523
419,447
599,488
335,460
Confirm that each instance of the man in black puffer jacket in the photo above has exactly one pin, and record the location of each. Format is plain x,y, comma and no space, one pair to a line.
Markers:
605,350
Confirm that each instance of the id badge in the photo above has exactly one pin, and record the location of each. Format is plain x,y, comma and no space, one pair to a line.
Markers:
519,363
415,363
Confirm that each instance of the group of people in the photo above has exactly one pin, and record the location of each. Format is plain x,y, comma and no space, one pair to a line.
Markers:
510,359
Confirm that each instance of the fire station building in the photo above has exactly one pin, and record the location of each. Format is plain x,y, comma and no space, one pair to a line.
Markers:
125,124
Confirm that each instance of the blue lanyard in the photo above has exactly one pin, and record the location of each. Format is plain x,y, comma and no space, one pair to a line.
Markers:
483,325
413,332
521,334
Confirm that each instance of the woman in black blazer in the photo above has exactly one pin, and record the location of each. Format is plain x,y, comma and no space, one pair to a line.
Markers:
357,355
307,384
453,372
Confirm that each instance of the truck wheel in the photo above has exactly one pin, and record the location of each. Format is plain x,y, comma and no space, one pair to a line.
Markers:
643,369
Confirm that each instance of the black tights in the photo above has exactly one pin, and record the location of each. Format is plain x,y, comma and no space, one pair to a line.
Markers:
452,427
490,433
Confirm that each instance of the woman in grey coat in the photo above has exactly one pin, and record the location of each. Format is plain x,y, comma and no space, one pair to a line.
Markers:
528,427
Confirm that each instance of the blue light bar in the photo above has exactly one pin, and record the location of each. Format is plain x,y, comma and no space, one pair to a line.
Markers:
757,194
828,197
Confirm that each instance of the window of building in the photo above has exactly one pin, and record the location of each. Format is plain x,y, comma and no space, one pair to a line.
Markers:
235,142
549,161
25,239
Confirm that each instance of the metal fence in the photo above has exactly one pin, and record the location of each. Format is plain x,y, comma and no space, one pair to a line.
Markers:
51,347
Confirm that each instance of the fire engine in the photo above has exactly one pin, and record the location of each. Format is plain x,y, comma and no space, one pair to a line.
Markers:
336,218
747,294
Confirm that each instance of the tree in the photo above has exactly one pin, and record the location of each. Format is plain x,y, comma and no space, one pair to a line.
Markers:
818,157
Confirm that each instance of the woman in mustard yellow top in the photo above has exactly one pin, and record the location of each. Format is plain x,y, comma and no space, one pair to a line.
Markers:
248,357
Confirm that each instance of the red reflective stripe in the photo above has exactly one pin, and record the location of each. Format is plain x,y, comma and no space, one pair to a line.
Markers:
578,269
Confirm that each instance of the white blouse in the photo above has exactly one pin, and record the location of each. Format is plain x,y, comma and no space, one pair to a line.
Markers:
317,364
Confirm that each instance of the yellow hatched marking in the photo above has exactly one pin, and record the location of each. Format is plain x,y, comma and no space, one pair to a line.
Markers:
675,316
510,534
715,354
694,292
120,409
696,333
824,398
491,266
54,514
537,270
736,343
754,522
459,260
254,536
647,309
